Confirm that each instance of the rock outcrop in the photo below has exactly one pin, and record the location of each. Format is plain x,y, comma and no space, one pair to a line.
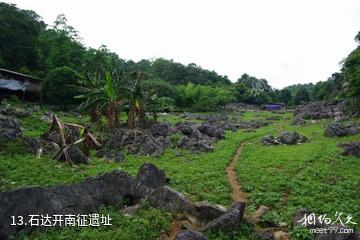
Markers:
189,235
9,129
350,149
321,110
87,197
340,130
229,221
288,138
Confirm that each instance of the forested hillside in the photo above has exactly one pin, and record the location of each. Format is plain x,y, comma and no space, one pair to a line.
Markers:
28,45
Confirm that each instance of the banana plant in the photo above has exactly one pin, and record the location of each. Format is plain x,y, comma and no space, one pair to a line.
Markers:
136,102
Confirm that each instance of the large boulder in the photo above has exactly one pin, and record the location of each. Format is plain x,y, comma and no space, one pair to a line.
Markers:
189,235
9,129
170,200
284,138
114,188
269,140
75,155
196,144
134,142
184,127
316,110
207,212
340,130
291,138
229,221
150,176
211,131
298,120
161,129
351,149
324,109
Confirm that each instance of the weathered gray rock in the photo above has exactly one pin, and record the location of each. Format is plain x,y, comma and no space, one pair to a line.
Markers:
150,176
9,129
340,130
116,154
189,235
170,200
351,149
131,210
269,140
229,221
284,138
14,111
34,145
318,110
135,142
207,212
161,129
86,197
184,127
291,138
75,154
298,120
196,144
211,131
264,234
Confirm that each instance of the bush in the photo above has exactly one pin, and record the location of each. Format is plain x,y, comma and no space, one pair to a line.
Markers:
60,86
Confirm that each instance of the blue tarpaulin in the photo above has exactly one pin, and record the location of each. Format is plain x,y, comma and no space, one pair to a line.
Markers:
273,107
13,85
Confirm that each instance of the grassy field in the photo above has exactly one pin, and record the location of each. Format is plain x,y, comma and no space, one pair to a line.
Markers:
285,178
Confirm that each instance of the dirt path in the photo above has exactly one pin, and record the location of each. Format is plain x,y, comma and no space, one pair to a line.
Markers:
236,194
171,234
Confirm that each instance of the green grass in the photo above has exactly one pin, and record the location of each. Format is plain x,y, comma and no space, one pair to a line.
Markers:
286,178
312,175
147,223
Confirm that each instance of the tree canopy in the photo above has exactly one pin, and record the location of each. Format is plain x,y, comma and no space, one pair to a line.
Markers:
30,46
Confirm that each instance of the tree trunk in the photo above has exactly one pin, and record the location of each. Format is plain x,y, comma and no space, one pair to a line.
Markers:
131,117
94,114
142,115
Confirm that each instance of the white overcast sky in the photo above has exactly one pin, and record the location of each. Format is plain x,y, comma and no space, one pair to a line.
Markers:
284,41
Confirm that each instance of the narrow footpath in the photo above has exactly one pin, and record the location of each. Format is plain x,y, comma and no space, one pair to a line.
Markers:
237,195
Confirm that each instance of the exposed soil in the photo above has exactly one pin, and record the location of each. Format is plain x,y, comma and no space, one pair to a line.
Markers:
171,234
236,195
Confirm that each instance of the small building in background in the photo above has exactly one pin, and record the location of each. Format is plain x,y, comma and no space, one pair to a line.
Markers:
24,86
274,106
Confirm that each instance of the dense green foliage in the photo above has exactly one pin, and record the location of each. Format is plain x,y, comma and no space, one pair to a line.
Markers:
59,87
30,46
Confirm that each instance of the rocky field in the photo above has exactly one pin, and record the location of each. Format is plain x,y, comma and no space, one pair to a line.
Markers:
231,175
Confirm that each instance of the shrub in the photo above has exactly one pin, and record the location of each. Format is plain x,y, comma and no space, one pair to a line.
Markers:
60,87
